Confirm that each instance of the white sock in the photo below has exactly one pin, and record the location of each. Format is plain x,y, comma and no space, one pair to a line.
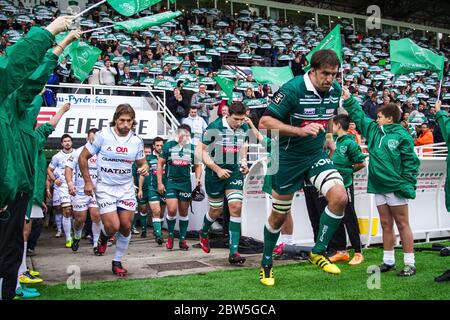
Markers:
77,233
409,259
96,227
389,257
67,226
18,282
288,239
121,246
23,265
58,220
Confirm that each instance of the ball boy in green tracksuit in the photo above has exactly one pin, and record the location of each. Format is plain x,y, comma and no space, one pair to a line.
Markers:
393,168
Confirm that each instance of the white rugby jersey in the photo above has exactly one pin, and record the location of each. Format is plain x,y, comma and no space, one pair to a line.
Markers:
115,156
72,162
58,163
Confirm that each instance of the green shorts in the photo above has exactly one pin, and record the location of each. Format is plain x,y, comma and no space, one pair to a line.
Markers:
215,187
292,173
179,190
154,195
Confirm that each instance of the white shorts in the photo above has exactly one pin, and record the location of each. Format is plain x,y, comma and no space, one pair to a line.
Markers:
36,212
82,202
65,197
390,199
56,198
110,198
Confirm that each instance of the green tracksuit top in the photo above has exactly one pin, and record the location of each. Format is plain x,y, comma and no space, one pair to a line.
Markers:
347,153
443,121
393,164
18,63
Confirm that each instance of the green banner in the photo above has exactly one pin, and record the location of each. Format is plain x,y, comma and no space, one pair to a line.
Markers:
130,7
146,22
273,75
408,57
84,58
331,41
227,86
256,103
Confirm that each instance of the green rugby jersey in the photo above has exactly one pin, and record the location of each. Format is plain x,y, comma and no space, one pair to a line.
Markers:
224,144
178,161
298,103
152,161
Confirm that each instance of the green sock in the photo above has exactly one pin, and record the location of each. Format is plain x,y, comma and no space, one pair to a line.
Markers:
157,228
235,234
183,228
206,225
270,241
143,221
171,226
328,226
135,219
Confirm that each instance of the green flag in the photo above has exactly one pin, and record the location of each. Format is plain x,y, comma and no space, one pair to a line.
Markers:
227,86
84,58
146,22
130,7
331,41
59,38
407,57
274,75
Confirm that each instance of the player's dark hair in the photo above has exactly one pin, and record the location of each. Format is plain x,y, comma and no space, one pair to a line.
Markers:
122,109
323,58
185,127
147,146
343,120
93,130
64,136
157,139
390,110
237,108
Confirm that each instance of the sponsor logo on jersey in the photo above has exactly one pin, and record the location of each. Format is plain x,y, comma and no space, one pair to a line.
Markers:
278,98
309,111
322,162
106,204
92,160
230,149
120,149
329,111
115,171
117,160
343,149
393,144
323,123
237,183
180,163
127,203
109,149
185,194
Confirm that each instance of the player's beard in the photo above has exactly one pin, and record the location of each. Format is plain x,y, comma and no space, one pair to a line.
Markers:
123,131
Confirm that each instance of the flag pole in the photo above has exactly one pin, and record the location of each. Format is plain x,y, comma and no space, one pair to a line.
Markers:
440,87
88,9
96,29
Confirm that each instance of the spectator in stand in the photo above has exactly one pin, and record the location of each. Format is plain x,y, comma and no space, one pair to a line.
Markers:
197,124
120,71
298,64
107,75
204,110
370,107
408,106
352,130
434,127
63,72
176,105
425,137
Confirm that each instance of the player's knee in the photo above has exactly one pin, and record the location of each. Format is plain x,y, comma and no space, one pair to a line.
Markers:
234,200
338,197
215,205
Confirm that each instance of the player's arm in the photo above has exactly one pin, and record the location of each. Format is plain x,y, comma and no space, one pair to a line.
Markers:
140,185
143,167
159,175
85,155
48,185
51,175
209,162
243,160
68,172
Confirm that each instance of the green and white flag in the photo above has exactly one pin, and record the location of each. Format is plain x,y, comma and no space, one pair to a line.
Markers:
130,7
408,57
164,85
273,75
244,85
146,22
191,85
227,86
84,58
256,103
331,41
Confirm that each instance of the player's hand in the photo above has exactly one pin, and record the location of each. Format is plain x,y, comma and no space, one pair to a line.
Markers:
140,194
65,107
223,173
89,189
72,36
60,24
49,194
438,105
58,182
345,93
44,207
72,190
199,182
143,171
161,189
312,129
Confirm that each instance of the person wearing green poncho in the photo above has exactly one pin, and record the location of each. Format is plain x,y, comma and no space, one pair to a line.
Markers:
16,66
443,121
393,169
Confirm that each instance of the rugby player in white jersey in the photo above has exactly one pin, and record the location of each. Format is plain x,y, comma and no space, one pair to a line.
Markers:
116,147
61,196
82,203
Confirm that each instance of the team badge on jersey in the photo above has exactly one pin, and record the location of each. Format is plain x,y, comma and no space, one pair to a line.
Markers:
278,97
